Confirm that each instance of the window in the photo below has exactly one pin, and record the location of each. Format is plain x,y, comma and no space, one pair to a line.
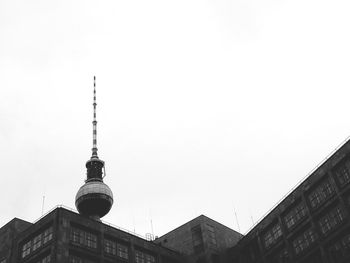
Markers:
295,215
26,248
91,240
122,251
321,194
47,236
272,235
197,239
110,247
342,172
141,257
83,238
303,241
331,220
116,249
37,242
211,235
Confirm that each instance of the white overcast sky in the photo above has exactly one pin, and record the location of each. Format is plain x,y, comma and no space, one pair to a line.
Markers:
204,106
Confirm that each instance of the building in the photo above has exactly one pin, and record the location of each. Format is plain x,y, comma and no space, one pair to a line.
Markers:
65,236
7,235
202,240
311,225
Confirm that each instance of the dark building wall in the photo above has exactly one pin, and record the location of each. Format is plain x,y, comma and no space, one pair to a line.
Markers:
7,235
201,239
310,225
64,236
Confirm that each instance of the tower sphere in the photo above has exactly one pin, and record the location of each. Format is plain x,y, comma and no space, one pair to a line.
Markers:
94,199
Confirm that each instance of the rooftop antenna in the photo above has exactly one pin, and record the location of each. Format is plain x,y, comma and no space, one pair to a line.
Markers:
152,227
251,217
42,206
133,221
150,215
239,229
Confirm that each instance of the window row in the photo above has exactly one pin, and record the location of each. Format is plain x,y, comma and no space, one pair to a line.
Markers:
36,242
331,220
303,241
321,193
327,224
197,239
295,215
272,235
211,235
116,249
142,257
83,238
342,172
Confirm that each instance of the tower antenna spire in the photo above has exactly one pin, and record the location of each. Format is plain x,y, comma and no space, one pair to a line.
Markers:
94,125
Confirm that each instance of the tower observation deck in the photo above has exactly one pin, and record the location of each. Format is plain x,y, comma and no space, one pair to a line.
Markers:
94,199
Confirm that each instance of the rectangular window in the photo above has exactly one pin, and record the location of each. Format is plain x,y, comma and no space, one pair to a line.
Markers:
26,249
197,239
141,257
91,240
122,251
342,172
47,235
303,241
331,220
295,215
211,235
110,247
272,235
321,194
36,242
83,238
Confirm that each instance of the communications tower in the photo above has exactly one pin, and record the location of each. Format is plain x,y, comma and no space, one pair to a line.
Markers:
94,199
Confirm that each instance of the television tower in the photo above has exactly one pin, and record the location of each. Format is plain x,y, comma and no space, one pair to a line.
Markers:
94,199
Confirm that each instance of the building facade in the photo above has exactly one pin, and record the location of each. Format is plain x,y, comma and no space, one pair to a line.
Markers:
202,240
311,225
64,236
